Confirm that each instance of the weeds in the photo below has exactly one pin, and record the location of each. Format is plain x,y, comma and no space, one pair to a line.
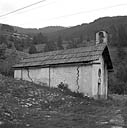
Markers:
65,89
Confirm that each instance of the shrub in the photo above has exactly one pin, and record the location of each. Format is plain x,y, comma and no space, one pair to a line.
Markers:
64,88
32,50
120,88
78,94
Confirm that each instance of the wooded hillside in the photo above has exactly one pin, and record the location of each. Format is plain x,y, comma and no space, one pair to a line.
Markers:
56,38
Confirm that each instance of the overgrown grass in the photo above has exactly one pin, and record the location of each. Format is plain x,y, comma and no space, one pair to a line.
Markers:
65,89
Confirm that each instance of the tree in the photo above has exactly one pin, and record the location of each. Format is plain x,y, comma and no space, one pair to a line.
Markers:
39,39
113,37
18,45
59,43
32,50
35,41
27,42
3,39
81,39
122,36
50,46
72,44
7,28
2,51
120,84
11,38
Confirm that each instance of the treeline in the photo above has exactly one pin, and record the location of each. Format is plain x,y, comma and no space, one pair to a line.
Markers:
118,35
118,79
77,36
5,27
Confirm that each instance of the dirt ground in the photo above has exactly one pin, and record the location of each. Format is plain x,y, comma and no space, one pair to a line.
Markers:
26,105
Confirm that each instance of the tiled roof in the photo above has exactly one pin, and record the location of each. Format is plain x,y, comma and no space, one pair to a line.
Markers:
83,54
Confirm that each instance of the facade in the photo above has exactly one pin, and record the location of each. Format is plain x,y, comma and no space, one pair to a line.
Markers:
83,69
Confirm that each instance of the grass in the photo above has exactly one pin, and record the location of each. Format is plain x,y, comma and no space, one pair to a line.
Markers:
27,105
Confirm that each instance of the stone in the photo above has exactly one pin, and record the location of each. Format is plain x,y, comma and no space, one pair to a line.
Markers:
27,125
1,122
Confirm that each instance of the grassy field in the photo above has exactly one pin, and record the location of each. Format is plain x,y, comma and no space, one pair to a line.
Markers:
27,105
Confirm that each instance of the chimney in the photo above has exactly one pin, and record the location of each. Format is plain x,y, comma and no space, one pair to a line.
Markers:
101,37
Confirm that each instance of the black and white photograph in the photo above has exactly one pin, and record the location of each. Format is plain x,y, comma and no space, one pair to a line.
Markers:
63,64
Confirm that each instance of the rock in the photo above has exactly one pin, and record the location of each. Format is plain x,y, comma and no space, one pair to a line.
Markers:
7,114
102,122
116,127
1,122
27,125
48,116
117,120
28,104
45,101
62,98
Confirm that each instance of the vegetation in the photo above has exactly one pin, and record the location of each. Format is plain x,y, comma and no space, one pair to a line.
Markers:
6,27
32,50
24,104
59,43
39,39
64,88
119,85
50,46
32,31
72,44
54,38
3,39
2,51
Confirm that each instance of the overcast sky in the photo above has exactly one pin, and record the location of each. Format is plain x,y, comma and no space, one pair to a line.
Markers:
59,12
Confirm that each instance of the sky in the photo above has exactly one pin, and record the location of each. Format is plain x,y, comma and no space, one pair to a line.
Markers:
58,12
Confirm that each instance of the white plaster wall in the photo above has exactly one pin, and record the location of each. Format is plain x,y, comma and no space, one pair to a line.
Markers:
37,75
85,80
69,75
104,78
17,74
106,81
95,69
64,74
102,75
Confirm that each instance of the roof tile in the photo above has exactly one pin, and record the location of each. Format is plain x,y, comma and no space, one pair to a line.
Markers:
83,54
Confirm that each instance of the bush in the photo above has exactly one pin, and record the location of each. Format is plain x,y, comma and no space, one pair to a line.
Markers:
64,88
120,88
78,94
32,50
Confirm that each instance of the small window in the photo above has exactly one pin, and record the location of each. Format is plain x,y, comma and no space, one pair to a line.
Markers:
99,72
101,37
101,34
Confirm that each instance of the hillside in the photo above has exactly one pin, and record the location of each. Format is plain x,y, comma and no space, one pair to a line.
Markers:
87,31
48,29
10,57
27,105
109,24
